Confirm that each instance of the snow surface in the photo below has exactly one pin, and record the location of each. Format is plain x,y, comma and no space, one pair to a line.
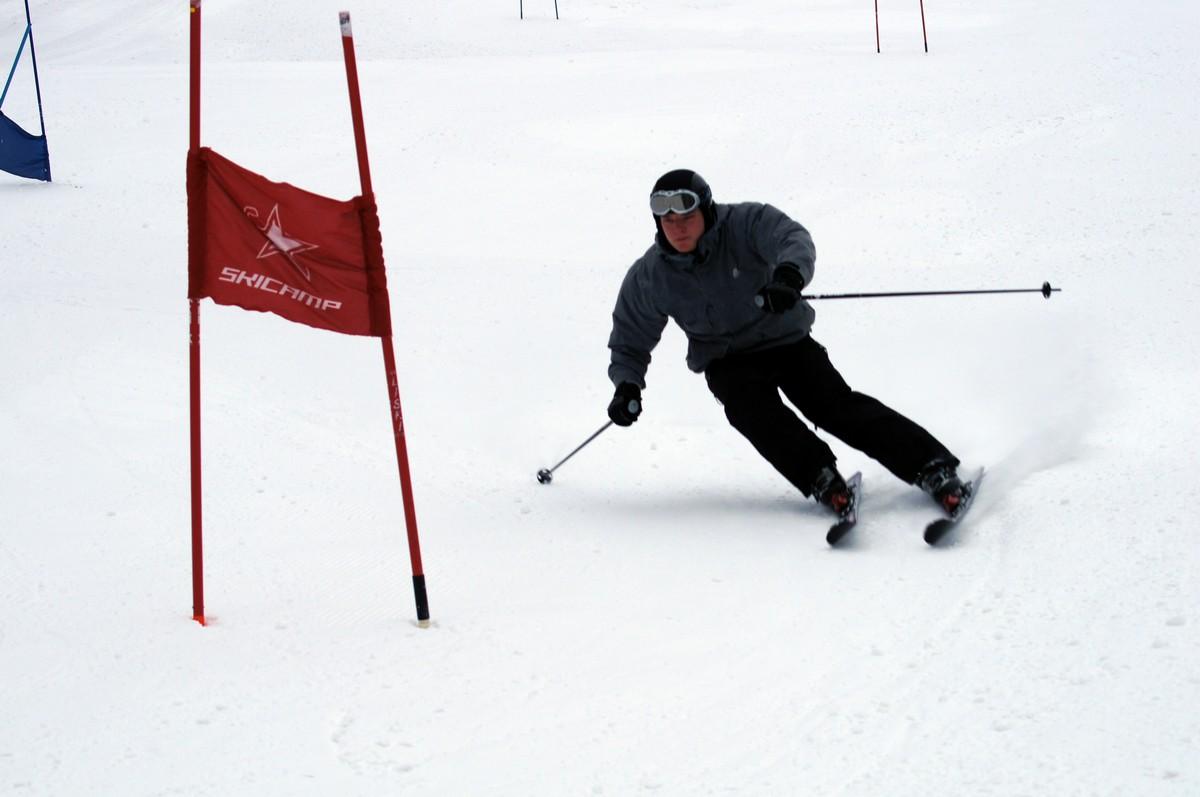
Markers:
666,617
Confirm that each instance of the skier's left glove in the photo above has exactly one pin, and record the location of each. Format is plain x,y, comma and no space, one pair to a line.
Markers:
626,404
783,291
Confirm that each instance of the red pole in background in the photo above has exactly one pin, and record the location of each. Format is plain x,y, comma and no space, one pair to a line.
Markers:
194,346
389,358
924,35
876,25
197,521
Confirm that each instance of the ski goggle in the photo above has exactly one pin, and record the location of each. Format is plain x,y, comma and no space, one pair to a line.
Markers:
680,200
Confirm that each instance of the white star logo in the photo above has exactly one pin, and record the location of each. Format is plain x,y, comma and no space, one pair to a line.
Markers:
279,243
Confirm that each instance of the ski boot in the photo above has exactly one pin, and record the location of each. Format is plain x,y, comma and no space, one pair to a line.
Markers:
830,489
940,479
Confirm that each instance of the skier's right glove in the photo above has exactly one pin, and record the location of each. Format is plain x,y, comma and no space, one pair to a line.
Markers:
783,291
626,405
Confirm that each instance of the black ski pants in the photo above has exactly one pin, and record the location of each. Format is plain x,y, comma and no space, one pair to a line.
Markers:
748,386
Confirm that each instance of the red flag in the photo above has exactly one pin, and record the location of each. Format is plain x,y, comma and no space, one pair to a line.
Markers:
273,247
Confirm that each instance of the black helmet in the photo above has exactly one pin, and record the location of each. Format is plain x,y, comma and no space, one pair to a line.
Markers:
687,180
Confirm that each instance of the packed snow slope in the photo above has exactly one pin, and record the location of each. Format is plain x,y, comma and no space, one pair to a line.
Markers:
665,617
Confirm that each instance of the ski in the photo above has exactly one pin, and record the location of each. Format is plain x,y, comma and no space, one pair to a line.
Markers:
938,529
849,517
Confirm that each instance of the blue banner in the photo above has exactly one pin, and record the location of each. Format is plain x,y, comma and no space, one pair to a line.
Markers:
22,153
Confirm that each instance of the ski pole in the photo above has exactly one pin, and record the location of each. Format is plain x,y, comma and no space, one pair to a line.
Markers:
546,475
1045,290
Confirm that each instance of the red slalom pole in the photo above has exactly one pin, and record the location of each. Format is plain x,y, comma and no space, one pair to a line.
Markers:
194,344
406,491
924,35
876,25
197,504
389,357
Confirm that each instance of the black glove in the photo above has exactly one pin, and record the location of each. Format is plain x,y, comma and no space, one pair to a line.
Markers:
626,405
783,291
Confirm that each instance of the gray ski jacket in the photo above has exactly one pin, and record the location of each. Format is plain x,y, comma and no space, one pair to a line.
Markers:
710,292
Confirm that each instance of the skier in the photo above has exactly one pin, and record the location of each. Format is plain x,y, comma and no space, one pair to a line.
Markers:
730,275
